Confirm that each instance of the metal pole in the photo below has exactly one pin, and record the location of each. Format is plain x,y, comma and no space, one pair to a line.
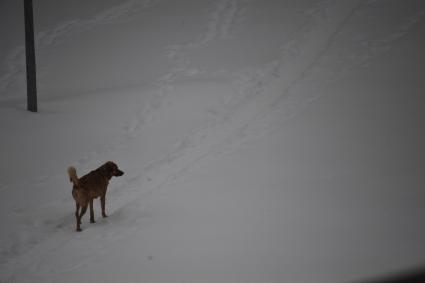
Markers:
30,57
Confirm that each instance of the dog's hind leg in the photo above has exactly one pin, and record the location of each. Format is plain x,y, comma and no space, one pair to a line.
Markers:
83,210
77,210
102,203
91,212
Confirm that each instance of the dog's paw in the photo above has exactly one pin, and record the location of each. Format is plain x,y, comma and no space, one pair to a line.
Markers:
104,215
78,229
92,221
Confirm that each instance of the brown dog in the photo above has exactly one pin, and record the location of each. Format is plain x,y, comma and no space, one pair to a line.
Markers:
91,186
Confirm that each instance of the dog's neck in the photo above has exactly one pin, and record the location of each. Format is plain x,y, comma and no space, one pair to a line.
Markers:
105,172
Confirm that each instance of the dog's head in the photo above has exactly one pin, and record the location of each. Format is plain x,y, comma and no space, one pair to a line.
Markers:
112,169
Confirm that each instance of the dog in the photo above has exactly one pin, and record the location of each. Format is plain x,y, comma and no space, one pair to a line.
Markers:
91,186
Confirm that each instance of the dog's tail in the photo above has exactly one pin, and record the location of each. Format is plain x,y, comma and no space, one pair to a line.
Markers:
73,175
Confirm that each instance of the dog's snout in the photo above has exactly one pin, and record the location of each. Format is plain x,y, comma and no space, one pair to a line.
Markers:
120,173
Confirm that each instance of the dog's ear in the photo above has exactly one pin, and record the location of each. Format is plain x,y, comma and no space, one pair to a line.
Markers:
110,165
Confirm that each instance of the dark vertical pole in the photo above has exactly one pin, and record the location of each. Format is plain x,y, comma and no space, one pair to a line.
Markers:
30,55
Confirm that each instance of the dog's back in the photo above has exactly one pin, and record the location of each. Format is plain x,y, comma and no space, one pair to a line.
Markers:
95,183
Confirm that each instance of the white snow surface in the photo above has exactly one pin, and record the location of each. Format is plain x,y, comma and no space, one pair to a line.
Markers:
261,140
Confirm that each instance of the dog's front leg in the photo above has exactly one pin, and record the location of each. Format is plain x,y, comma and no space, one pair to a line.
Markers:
91,212
102,204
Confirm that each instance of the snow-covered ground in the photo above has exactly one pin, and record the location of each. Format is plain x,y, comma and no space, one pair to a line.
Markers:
262,141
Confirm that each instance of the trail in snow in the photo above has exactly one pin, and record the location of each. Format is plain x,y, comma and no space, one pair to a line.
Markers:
219,26
265,98
255,93
310,82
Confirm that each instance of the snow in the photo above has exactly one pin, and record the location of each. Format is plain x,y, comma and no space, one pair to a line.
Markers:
262,141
